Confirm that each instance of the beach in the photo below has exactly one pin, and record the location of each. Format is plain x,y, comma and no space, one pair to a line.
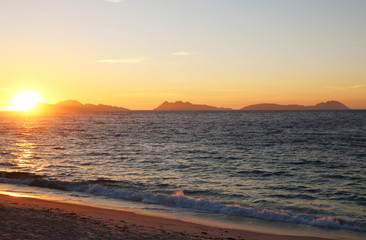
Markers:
31,218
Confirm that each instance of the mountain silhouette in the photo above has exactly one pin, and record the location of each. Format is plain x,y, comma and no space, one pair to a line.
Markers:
330,105
76,107
186,106
73,106
70,103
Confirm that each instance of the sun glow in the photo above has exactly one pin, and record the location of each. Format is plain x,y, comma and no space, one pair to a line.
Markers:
13,194
24,101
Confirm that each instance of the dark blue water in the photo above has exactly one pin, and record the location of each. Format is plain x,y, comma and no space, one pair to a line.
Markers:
300,167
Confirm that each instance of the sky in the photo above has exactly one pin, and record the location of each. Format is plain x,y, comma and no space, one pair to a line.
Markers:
226,53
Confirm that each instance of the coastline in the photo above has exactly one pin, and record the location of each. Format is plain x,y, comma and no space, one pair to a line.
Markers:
32,218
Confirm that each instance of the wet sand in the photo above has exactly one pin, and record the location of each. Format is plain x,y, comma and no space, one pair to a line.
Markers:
30,218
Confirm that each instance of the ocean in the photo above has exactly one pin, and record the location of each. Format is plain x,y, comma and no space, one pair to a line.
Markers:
304,169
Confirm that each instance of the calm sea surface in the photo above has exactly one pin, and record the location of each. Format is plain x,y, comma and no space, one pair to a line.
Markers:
298,167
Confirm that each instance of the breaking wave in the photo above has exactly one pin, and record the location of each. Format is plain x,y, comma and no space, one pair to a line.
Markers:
105,187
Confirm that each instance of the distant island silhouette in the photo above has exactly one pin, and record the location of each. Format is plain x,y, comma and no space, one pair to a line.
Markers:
186,106
73,106
330,105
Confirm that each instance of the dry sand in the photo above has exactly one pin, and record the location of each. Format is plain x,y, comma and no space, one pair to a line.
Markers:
30,218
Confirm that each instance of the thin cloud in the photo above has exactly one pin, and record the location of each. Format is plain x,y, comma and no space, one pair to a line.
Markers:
182,53
113,1
345,88
111,30
335,88
358,86
124,60
239,90
4,89
153,95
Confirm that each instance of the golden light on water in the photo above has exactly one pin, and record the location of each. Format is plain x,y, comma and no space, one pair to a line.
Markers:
24,101
27,158
13,194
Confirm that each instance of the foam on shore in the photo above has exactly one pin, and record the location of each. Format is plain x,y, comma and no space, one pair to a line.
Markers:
178,200
55,219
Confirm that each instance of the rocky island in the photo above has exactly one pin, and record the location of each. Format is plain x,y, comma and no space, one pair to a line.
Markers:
330,105
186,106
73,106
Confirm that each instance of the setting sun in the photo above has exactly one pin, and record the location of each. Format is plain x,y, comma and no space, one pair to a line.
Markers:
24,101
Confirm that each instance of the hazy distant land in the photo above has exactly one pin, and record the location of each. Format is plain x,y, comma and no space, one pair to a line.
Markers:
330,105
73,106
187,106
184,106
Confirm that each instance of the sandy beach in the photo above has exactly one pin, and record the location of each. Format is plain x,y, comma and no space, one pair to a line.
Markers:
30,218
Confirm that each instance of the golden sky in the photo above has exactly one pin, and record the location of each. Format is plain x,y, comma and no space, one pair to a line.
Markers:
227,53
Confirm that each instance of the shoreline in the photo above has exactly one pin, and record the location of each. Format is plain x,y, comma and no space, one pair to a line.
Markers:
32,218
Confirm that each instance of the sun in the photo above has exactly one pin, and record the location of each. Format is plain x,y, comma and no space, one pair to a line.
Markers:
24,101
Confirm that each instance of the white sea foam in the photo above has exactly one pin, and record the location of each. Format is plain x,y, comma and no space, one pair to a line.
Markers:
179,200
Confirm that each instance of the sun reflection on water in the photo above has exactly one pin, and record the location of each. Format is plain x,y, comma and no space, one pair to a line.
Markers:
13,194
24,151
25,154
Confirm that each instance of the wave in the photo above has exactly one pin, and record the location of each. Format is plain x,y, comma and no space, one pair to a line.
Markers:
8,164
107,188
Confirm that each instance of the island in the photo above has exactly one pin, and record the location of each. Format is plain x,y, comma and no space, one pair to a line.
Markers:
73,106
76,107
187,106
330,105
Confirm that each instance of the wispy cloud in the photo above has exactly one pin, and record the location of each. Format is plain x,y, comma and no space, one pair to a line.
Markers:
182,53
111,30
346,87
358,86
124,60
158,95
114,1
4,89
335,88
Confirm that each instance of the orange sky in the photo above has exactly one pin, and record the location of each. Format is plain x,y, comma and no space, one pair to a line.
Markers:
137,54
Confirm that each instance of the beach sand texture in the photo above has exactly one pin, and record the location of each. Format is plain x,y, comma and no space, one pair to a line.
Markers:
30,218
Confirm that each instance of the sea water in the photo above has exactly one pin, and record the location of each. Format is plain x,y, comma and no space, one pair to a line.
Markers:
306,168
